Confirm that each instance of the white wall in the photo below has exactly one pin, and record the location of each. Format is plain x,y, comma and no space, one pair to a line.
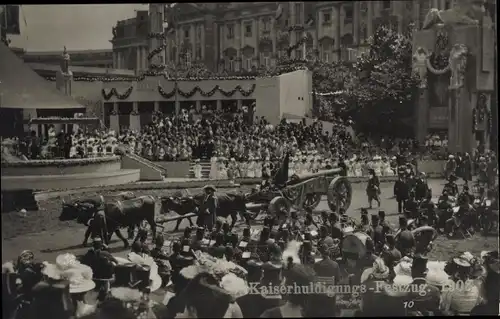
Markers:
267,99
295,96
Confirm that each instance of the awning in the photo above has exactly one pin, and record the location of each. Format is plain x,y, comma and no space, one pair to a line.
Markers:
23,88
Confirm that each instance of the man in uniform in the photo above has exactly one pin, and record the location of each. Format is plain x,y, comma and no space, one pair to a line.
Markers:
451,186
377,234
401,192
405,241
427,297
209,207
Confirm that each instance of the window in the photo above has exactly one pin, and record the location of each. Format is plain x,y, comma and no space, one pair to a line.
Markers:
198,32
248,30
267,61
298,54
327,17
198,52
447,4
386,5
248,64
326,56
231,64
298,13
352,54
265,25
186,33
230,31
348,14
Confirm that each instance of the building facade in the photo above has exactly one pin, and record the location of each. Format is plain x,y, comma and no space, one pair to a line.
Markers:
85,58
130,46
243,36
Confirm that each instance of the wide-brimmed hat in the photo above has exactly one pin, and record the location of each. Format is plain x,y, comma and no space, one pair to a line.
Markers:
67,267
378,271
209,187
154,277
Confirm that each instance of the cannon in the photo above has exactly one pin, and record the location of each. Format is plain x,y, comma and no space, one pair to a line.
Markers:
305,192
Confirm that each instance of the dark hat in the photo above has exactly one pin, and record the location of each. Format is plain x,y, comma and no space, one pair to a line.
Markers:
381,213
419,262
272,265
219,251
375,217
246,232
403,220
254,263
390,239
209,187
364,211
307,245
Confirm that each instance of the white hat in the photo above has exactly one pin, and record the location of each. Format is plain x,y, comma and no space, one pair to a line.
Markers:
69,268
451,156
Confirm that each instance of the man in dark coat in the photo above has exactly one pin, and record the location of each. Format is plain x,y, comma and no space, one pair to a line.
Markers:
401,192
427,298
209,207
391,254
405,242
377,233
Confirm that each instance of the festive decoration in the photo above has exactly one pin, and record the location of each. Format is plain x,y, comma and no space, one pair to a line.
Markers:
61,163
197,89
438,64
120,96
295,46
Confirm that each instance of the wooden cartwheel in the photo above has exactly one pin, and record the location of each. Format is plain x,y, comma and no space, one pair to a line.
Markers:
339,194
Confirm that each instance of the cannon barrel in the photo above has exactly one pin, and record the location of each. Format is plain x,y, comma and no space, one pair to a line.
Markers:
304,177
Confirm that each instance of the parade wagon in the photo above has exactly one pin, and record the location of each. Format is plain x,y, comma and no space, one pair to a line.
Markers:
304,192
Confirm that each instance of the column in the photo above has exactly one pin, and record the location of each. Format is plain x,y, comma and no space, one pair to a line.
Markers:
138,58
422,119
115,62
219,105
355,23
239,104
203,44
156,106
177,107
369,23
135,119
114,123
336,30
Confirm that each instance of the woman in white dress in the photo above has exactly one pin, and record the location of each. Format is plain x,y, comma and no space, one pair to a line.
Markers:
258,169
358,168
197,169
377,165
213,168
251,168
350,167
221,168
291,167
243,168
386,168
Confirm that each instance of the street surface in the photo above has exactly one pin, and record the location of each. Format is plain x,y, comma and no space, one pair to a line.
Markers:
47,237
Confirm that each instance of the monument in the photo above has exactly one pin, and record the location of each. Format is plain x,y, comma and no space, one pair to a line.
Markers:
64,76
454,57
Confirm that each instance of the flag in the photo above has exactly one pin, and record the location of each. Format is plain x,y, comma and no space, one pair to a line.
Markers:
281,176
169,18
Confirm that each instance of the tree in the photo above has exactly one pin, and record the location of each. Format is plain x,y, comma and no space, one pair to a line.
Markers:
383,96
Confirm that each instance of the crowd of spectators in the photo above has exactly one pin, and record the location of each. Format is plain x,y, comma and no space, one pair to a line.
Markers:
236,144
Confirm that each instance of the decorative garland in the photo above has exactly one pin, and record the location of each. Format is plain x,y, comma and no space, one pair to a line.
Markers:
296,45
441,62
61,163
119,96
197,89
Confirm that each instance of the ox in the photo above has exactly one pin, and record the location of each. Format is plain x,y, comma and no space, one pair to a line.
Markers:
122,213
229,204
179,205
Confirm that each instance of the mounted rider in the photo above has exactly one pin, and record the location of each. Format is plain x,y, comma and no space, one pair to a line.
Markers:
97,226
